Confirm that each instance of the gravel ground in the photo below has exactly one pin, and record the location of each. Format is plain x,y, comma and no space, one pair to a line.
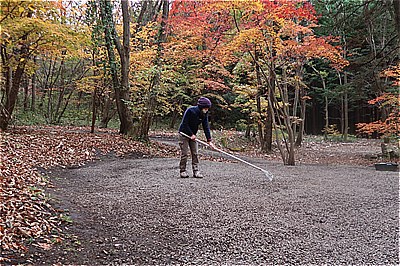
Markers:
137,211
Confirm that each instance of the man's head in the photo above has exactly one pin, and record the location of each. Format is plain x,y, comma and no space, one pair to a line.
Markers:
204,104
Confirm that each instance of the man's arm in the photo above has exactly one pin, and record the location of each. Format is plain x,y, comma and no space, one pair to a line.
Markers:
206,128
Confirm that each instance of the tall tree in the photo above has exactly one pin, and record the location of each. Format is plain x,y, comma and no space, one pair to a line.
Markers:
146,119
112,39
282,34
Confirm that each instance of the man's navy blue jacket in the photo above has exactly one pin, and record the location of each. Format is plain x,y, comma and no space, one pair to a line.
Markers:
191,120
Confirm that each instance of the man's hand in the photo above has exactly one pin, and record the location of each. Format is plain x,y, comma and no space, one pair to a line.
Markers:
193,137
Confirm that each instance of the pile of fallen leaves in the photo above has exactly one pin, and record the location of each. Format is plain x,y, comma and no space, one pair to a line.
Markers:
25,214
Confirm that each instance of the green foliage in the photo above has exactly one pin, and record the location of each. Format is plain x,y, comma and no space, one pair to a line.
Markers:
241,125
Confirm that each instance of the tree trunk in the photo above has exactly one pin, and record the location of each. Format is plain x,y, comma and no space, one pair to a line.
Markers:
326,118
302,101
268,122
248,128
289,157
260,92
294,117
33,91
122,95
174,117
26,92
6,73
346,111
7,110
259,123
300,133
268,131
8,83
289,140
62,90
121,88
107,112
61,113
325,100
147,118
93,110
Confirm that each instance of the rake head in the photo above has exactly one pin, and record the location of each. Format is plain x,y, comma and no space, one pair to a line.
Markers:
268,174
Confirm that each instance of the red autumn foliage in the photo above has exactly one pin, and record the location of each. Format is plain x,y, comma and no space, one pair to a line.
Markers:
389,103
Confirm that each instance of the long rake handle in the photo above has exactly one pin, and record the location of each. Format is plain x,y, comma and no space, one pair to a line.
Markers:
268,174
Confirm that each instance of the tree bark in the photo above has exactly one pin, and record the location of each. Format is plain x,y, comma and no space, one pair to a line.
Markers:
93,110
289,158
107,112
260,92
259,122
26,93
264,125
147,118
121,88
300,133
33,91
346,111
122,95
326,118
396,6
7,110
61,93
175,115
268,122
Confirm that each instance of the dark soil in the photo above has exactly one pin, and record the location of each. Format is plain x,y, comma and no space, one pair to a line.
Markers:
137,211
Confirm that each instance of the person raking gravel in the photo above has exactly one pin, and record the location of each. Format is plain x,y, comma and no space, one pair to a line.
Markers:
192,118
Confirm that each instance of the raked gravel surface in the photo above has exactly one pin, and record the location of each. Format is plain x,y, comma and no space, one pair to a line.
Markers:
138,211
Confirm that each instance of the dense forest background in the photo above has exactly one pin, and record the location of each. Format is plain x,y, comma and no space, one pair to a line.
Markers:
299,66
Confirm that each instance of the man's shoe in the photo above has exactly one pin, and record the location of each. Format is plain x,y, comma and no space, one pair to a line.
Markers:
184,174
197,174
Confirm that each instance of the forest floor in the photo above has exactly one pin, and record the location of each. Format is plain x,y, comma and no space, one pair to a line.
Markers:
332,208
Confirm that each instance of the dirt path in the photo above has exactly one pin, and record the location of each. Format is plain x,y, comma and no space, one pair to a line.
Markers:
137,211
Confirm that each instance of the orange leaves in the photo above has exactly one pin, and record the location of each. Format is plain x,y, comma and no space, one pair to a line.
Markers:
295,9
391,124
318,47
389,127
394,73
247,39
386,99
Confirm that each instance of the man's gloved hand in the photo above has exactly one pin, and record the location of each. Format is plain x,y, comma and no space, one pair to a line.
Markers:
193,137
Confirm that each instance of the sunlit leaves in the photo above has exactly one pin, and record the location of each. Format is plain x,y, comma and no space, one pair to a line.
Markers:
39,29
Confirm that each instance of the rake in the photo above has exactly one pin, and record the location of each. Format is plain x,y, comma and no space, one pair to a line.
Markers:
267,174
